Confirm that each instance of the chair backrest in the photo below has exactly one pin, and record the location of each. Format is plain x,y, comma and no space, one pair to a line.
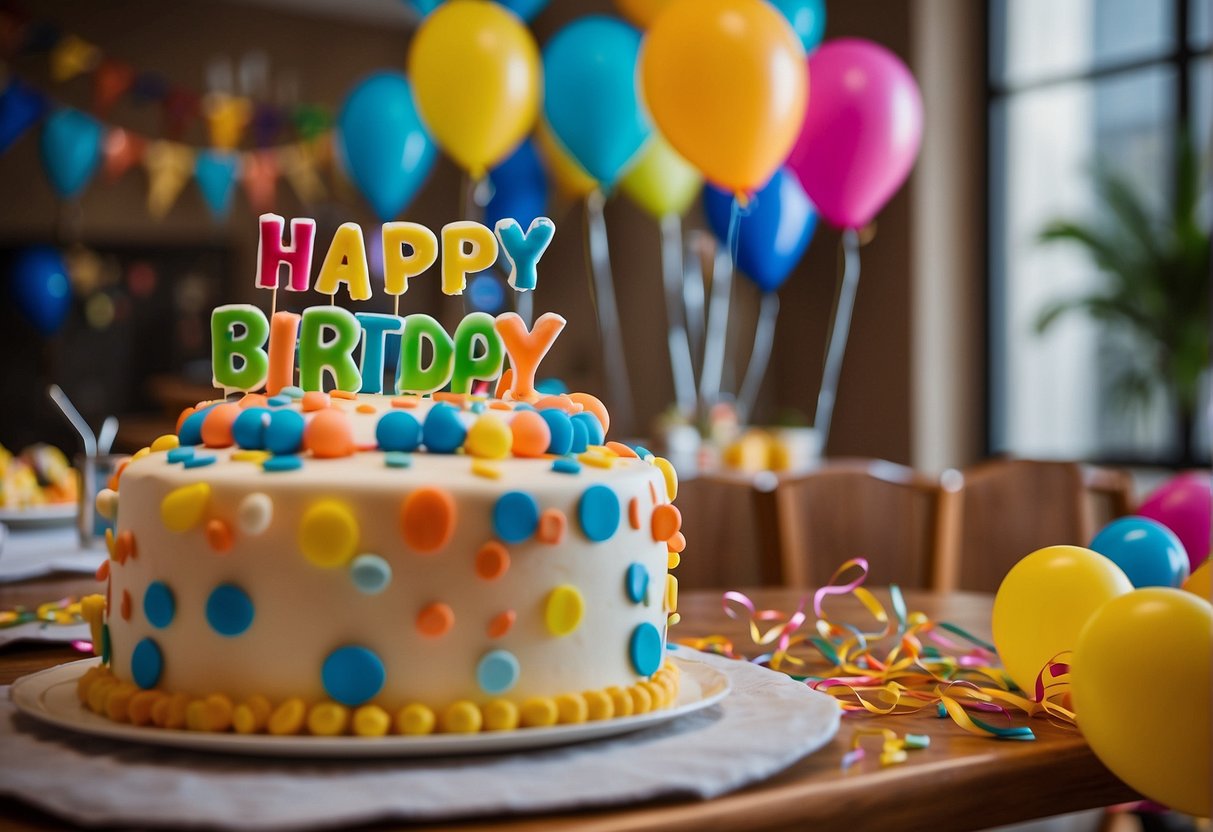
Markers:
1012,507
903,522
729,524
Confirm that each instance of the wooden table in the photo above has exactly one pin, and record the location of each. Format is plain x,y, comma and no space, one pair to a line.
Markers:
959,782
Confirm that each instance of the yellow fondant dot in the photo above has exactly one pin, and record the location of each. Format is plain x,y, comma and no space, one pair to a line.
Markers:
218,712
166,442
671,593
140,454
251,715
90,678
182,508
571,708
642,700
500,715
597,460
657,693
173,713
673,619
287,718
462,717
119,700
139,711
415,719
489,437
328,719
620,701
328,534
670,475
195,715
538,712
99,692
673,560
563,611
598,705
250,455
371,721
488,470
107,503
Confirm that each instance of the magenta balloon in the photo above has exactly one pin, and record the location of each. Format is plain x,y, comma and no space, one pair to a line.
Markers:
1185,506
861,130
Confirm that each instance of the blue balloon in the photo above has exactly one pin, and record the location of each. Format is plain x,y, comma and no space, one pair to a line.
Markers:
590,97
1147,551
772,236
486,293
71,150
808,19
520,188
386,150
526,9
216,174
40,289
20,107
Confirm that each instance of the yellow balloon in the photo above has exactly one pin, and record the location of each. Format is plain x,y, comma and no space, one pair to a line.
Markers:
642,12
476,77
1142,681
1044,602
726,83
662,182
571,179
1200,582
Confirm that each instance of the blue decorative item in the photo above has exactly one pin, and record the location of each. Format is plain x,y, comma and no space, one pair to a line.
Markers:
598,512
644,648
515,516
229,610
40,289
398,431
593,428
590,96
772,235
636,583
486,293
20,108
159,605
520,188
71,150
352,675
283,435
250,426
385,149
216,173
808,19
1149,553
497,671
147,663
443,432
526,9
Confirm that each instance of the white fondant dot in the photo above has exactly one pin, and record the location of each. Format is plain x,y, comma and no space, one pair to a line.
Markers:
255,513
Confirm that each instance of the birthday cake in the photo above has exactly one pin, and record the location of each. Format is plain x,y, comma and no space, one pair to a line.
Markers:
432,558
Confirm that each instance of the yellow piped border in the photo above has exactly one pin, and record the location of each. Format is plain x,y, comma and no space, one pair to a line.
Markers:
103,693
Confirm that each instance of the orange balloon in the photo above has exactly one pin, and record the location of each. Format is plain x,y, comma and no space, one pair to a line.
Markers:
726,82
642,12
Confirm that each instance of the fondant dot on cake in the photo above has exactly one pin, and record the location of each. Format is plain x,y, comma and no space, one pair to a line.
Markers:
147,663
353,675
229,610
515,516
497,671
159,606
560,428
427,519
644,649
598,512
371,574
637,583
398,431
443,432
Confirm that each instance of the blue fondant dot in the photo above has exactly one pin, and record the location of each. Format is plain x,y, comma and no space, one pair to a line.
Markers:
284,434
352,675
159,605
515,516
564,465
191,428
642,451
637,583
561,428
249,428
180,454
199,461
523,406
477,407
398,431
279,400
497,671
644,648
593,428
146,664
443,432
229,610
581,437
289,462
292,391
397,459
598,510
370,573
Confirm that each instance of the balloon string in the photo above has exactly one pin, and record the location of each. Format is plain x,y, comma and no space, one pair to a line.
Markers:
699,247
839,330
718,314
677,339
760,355
616,369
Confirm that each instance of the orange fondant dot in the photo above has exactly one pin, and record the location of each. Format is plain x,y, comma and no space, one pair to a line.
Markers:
126,606
253,400
622,449
365,408
314,400
497,404
531,434
556,402
501,624
634,512
427,519
218,535
492,561
112,485
457,399
405,401
124,546
595,406
505,382
343,394
677,543
666,522
653,492
329,434
552,524
435,620
185,414
217,426
103,571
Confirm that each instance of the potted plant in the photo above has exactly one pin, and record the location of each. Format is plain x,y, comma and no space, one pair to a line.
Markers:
1158,267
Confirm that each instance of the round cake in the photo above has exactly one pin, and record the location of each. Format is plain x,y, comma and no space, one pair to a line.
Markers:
342,563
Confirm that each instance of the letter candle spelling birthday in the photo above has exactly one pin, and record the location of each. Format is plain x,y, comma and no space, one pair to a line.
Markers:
348,350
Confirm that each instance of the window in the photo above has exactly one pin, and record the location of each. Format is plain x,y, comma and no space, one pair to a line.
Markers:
1069,82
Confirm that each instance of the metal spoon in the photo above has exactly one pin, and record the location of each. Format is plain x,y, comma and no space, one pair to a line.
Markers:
105,437
73,415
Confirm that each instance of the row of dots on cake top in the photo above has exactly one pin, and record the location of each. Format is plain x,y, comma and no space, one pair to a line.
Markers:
103,693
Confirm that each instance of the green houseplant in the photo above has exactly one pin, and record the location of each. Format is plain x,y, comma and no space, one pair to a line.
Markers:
1157,263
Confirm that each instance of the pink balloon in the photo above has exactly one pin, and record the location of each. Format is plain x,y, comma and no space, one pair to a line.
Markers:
861,130
1185,506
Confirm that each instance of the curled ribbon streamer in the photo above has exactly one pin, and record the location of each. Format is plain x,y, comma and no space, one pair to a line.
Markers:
65,611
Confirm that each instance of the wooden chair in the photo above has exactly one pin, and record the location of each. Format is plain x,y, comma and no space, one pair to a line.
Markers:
903,522
729,524
1011,507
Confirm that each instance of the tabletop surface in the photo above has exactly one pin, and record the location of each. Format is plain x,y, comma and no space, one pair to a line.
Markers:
960,782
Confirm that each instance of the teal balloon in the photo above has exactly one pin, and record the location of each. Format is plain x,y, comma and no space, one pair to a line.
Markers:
386,151
808,19
590,96
71,150
216,173
1149,553
526,9
39,288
